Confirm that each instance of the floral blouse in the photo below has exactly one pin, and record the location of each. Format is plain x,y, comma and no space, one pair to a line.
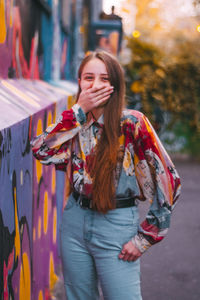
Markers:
144,169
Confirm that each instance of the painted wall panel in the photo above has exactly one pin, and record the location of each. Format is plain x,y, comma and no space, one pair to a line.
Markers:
26,39
31,195
6,25
34,40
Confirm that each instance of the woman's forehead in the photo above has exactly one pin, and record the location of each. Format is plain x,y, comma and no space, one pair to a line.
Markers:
95,66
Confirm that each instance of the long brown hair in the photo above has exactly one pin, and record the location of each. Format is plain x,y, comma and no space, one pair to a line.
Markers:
106,152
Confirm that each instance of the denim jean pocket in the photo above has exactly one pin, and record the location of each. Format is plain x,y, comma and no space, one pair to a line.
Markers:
123,216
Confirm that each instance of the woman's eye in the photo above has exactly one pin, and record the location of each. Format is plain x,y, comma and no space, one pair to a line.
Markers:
105,78
88,78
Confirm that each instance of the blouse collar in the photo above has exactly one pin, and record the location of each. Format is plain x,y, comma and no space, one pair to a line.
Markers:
99,122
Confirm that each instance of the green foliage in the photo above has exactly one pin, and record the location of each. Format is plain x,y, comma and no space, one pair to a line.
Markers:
167,82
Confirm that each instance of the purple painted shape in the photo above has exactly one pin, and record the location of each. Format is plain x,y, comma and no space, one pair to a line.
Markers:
44,245
6,54
24,119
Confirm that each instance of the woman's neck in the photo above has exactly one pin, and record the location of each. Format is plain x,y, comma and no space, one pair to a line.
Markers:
97,112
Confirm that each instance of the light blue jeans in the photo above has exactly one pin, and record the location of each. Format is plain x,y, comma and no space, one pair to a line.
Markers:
90,245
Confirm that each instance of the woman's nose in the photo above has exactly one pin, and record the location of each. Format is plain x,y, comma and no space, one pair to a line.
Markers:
97,83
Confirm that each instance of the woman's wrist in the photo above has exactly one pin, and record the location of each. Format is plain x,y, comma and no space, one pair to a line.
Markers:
79,112
141,243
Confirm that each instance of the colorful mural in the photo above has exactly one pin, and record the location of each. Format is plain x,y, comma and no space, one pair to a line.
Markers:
35,39
20,46
31,195
6,25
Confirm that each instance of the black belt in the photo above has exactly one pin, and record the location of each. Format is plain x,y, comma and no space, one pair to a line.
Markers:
85,202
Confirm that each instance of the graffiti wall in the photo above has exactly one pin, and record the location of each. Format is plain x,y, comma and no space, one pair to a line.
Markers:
6,25
31,195
20,44
31,46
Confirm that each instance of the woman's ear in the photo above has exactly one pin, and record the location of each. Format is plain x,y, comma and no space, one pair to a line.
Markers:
79,81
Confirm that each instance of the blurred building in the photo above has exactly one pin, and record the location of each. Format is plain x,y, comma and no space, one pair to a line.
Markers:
127,11
47,39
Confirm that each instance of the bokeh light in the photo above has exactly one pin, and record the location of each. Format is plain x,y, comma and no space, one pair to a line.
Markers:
136,34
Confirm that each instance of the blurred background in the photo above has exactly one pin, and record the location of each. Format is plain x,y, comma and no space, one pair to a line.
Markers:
160,54
42,43
156,41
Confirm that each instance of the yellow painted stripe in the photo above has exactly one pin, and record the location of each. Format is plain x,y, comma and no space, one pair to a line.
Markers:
2,22
45,213
53,278
25,279
20,94
17,235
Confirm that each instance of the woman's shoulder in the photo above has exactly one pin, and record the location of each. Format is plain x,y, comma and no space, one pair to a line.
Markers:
131,116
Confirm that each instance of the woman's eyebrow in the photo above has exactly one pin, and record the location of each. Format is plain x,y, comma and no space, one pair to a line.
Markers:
90,73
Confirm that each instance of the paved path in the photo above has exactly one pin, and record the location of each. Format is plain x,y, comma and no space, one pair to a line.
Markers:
171,269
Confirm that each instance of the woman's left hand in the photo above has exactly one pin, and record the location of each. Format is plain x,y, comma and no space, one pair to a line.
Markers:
129,252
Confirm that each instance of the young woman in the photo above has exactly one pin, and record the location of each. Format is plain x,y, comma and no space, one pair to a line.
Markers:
116,160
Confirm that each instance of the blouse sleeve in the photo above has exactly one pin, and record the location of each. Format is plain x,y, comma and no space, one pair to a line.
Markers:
159,183
54,144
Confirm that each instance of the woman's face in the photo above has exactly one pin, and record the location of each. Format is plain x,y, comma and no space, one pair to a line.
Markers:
94,74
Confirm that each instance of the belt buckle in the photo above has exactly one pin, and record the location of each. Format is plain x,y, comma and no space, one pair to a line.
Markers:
90,206
81,202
